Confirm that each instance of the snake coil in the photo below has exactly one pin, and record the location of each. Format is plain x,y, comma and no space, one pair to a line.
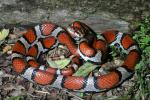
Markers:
47,36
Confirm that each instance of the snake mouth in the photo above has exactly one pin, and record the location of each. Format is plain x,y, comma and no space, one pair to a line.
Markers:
75,33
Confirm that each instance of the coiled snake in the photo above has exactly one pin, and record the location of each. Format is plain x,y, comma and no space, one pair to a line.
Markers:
81,42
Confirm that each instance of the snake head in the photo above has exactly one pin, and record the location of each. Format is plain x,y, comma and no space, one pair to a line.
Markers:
76,30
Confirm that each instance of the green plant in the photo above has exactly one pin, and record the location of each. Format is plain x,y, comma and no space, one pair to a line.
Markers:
16,98
142,80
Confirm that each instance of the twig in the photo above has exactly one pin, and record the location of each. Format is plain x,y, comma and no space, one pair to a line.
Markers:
33,95
44,92
73,95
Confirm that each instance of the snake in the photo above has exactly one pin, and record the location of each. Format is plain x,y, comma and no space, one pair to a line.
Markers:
82,42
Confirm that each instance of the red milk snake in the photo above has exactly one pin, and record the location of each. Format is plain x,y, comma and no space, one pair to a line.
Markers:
47,36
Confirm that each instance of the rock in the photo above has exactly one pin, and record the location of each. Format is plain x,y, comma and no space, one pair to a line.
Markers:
106,21
99,14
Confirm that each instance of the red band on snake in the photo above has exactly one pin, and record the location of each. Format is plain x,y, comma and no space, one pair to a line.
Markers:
45,37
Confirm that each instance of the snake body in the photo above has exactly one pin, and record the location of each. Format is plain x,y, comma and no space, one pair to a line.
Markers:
82,43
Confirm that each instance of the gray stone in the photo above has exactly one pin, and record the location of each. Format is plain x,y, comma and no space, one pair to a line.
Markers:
99,14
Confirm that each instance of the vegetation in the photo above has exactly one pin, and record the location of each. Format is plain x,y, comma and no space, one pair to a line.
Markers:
141,87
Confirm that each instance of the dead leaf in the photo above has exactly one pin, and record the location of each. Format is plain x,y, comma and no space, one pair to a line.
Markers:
3,34
7,48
